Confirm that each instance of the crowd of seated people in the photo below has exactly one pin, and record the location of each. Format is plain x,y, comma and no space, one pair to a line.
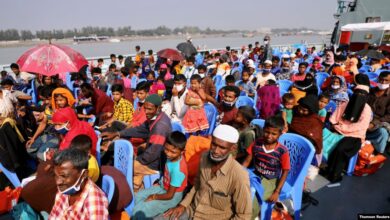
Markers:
54,139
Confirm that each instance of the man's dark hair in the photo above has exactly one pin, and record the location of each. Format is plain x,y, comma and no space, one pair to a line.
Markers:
177,139
112,66
120,57
88,89
4,73
137,47
81,142
180,77
275,58
275,122
150,52
14,66
112,55
384,74
7,82
96,70
77,157
202,67
303,64
287,96
117,88
100,60
234,89
325,95
46,91
230,79
191,59
125,71
247,112
143,86
228,48
196,77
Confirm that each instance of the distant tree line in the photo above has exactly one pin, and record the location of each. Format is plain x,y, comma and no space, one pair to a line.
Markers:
13,34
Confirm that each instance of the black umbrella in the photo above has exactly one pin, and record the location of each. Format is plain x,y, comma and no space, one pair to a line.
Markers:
187,49
373,54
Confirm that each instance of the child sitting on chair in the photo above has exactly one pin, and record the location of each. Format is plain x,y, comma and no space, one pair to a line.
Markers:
270,158
158,199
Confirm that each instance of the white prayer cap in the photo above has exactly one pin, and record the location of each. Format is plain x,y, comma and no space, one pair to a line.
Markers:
268,62
285,56
293,55
226,133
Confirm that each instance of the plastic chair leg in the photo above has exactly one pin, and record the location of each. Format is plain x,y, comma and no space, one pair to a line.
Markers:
266,210
351,165
297,203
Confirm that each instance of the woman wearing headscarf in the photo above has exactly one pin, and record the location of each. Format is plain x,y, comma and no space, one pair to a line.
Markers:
62,93
68,126
307,123
337,89
303,88
351,119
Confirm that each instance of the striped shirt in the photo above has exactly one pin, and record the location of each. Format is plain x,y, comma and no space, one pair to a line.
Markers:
269,163
225,195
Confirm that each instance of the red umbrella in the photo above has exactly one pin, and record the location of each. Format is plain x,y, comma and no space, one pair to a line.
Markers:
170,54
51,59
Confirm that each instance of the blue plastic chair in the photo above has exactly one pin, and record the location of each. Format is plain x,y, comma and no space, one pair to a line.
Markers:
352,164
365,68
211,113
331,106
134,82
177,126
123,161
244,100
284,86
135,103
12,177
69,82
76,92
108,187
217,88
258,122
372,76
301,154
320,78
150,179
98,144
217,80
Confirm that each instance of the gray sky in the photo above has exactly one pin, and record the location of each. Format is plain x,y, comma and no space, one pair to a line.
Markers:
140,14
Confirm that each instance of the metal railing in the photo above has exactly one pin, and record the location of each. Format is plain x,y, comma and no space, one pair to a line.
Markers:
282,48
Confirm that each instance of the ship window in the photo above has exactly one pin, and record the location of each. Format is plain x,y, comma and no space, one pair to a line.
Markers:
373,19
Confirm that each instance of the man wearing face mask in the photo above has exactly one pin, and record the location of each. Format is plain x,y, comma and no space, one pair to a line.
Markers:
227,108
179,92
379,100
221,190
207,81
155,131
266,75
98,79
267,49
78,197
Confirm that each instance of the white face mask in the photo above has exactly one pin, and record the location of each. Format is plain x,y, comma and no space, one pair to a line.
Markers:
335,86
179,87
75,187
382,86
201,75
265,42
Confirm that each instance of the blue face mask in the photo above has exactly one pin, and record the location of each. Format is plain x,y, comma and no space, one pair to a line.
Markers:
76,186
63,130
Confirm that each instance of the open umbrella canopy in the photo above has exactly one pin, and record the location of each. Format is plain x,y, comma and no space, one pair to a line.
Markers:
51,59
170,54
187,49
373,54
